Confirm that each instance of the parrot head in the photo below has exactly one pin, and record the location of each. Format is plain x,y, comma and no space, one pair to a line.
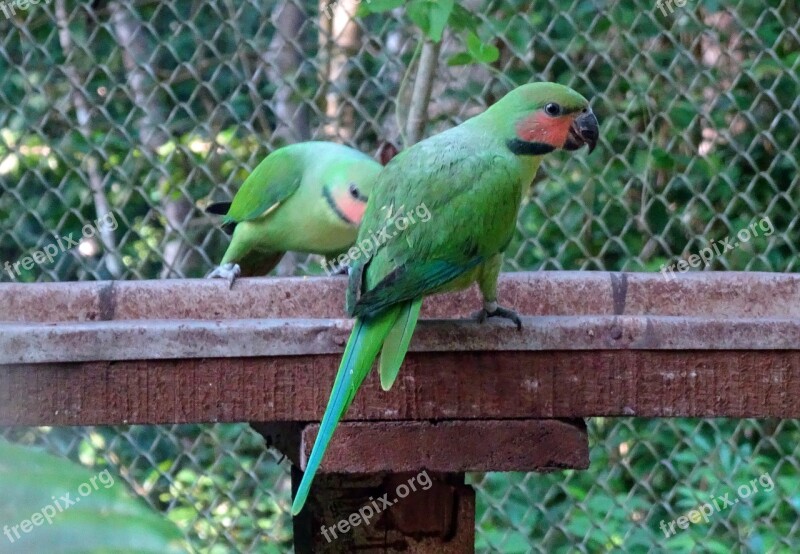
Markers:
348,189
538,118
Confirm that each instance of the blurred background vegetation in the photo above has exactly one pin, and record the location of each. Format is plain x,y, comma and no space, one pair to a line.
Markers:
40,510
147,109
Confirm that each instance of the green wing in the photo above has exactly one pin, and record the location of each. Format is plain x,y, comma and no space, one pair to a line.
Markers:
409,282
470,185
274,180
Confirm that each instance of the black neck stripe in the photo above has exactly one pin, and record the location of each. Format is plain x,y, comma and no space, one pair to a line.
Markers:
329,199
525,148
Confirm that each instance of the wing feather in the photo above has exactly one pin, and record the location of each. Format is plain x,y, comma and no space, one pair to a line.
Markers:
274,180
471,193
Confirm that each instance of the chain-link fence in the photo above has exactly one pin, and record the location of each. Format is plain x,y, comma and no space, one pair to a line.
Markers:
146,110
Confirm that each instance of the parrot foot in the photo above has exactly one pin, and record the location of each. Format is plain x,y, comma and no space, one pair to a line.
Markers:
228,271
491,309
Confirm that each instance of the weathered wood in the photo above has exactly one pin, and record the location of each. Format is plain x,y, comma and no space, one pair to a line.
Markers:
703,294
417,467
431,386
345,514
706,345
412,446
128,340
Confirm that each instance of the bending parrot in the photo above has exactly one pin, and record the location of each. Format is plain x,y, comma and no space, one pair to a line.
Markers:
472,178
307,197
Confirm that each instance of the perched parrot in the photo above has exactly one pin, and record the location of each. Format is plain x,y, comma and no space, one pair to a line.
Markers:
472,178
307,197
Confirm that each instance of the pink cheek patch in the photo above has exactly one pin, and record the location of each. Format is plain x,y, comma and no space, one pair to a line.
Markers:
351,208
542,128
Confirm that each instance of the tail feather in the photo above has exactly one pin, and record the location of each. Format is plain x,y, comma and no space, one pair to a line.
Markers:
362,349
396,344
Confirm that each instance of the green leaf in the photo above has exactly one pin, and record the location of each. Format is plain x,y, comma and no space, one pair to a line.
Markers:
682,114
481,51
477,52
74,509
462,58
431,16
377,6
461,19
662,159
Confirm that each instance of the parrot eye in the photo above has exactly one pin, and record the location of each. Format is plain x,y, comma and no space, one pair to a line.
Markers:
552,109
354,192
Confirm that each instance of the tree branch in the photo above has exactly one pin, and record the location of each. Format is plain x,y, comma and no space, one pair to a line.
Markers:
421,96
83,115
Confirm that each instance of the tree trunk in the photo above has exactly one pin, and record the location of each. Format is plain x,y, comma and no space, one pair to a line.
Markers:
283,60
135,49
83,114
341,43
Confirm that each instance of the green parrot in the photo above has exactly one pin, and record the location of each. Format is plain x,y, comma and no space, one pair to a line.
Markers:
307,197
471,179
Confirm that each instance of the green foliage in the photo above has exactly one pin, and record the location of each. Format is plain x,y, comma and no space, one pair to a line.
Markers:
433,16
60,506
644,472
217,484
693,150
477,52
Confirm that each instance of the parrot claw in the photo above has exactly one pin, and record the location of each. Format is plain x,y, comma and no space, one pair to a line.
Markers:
491,309
228,271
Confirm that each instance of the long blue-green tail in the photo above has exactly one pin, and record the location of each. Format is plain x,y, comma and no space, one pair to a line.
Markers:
362,348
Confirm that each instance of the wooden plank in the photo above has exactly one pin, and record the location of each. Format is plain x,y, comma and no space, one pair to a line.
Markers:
431,386
413,446
418,469
500,445
28,343
701,294
711,344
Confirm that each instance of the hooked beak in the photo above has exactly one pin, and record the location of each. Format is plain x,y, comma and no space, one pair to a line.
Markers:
584,130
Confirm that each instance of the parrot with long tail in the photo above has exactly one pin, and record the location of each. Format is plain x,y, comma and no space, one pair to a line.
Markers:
305,197
472,179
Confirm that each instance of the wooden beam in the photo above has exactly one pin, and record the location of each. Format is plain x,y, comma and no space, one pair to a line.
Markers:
413,446
399,486
570,293
431,386
600,344
345,513
36,343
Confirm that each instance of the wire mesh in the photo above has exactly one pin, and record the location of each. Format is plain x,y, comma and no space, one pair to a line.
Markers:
135,114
